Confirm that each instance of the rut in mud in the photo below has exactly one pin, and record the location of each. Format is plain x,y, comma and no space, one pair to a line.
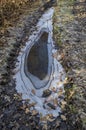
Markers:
38,100
36,59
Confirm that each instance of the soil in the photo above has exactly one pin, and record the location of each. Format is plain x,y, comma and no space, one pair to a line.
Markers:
14,115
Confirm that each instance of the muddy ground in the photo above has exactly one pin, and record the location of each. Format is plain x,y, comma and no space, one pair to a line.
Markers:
70,36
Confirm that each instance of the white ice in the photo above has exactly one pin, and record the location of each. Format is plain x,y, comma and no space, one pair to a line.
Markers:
23,83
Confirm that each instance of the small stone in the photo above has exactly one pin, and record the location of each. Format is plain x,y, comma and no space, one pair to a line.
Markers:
46,93
60,92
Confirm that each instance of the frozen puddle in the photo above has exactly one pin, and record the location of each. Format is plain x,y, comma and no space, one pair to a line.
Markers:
39,75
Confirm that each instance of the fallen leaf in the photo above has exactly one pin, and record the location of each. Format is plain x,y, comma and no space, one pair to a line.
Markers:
62,55
63,118
55,101
34,112
71,94
32,104
55,55
45,127
33,91
51,119
53,89
59,83
64,102
2,31
43,118
27,110
23,107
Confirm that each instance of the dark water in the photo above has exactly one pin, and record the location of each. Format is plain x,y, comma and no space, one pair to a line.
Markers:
38,58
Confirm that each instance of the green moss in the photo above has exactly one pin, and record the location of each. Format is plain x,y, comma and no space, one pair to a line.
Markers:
72,108
57,35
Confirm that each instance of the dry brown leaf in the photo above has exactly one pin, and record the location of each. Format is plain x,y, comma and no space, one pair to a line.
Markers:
63,117
60,93
62,106
59,83
55,55
66,80
2,31
55,101
51,119
62,55
53,89
71,94
32,104
27,110
61,89
23,107
45,127
34,112
64,102
43,118
33,91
